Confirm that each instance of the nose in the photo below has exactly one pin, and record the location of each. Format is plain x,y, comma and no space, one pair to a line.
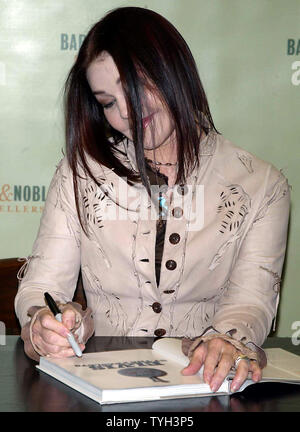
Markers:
123,108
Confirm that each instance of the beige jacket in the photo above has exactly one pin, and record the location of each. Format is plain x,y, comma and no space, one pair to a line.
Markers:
223,254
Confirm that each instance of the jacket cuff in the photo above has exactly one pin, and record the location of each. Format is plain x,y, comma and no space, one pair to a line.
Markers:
84,325
261,355
34,312
30,348
251,350
186,342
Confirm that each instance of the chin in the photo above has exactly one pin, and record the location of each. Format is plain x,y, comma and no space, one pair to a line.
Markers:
158,143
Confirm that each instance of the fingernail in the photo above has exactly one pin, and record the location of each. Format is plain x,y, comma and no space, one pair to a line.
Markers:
69,324
234,387
214,387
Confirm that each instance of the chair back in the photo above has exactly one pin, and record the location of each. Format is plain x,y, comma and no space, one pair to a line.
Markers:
9,268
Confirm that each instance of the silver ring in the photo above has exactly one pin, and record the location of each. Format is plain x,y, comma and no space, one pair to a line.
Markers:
239,358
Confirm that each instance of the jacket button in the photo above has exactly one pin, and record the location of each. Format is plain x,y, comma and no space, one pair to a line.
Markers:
157,307
160,332
177,212
171,265
182,189
174,238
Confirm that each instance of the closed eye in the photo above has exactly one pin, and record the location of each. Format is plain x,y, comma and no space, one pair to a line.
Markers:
108,105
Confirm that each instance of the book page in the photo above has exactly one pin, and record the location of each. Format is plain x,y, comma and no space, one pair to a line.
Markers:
282,365
171,348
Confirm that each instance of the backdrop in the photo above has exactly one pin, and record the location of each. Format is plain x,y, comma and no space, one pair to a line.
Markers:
248,54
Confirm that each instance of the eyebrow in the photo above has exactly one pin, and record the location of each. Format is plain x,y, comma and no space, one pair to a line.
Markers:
101,92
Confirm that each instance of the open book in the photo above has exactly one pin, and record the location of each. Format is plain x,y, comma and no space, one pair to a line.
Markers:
151,374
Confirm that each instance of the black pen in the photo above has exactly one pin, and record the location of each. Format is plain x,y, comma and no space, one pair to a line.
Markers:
58,316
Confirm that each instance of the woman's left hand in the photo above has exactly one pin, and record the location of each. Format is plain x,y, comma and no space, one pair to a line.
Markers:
218,357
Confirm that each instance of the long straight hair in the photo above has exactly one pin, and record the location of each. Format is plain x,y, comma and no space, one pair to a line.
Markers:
143,44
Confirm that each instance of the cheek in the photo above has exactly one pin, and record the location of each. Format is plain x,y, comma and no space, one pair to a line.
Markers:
118,123
114,120
164,123
110,118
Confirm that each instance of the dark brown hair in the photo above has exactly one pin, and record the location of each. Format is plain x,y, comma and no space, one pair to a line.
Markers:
141,42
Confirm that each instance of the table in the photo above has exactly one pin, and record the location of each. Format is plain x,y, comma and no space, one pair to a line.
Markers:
24,389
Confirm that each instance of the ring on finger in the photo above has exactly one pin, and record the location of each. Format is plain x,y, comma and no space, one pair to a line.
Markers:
239,358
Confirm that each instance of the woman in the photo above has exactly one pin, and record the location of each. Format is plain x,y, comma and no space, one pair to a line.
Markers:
205,264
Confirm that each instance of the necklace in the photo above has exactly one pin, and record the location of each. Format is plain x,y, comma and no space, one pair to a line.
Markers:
161,163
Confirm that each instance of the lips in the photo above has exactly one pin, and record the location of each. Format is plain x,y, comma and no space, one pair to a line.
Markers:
147,120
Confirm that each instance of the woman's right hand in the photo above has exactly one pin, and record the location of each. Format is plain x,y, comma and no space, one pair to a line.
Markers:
49,336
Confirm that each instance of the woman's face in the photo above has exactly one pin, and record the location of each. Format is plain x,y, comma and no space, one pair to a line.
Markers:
104,80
